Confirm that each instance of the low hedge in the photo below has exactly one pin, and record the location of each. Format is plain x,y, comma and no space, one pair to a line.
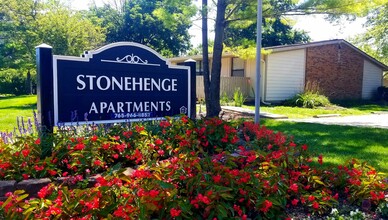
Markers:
17,81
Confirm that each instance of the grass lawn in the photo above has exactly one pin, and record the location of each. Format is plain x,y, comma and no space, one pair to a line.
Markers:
339,143
295,112
12,107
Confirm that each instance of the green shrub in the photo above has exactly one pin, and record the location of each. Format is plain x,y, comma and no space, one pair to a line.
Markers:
309,100
238,97
16,82
224,99
382,93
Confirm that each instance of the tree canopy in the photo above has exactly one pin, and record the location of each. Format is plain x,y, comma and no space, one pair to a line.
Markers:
160,24
28,23
375,39
276,31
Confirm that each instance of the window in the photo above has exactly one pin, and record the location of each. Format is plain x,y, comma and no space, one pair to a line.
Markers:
238,67
199,67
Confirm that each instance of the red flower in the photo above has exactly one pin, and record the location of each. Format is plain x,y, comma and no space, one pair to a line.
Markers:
294,187
52,172
175,212
97,162
294,202
79,146
38,168
315,205
277,154
238,209
161,152
372,172
154,193
53,211
25,152
266,206
25,176
158,142
43,192
164,124
37,142
217,178
304,147
320,161
311,198
94,138
184,119
203,199
116,156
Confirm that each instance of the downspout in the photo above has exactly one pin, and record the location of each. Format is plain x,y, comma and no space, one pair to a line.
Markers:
264,78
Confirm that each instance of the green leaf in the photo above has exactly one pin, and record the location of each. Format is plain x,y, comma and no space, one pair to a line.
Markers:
165,185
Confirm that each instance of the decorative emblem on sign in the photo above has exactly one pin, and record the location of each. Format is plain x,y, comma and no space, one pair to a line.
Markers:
131,59
183,110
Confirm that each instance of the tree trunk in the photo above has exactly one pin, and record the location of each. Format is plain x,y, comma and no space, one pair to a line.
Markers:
205,54
213,106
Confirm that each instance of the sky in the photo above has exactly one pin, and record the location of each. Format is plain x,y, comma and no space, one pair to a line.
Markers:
315,25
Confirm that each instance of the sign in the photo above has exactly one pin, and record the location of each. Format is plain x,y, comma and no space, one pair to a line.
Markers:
119,82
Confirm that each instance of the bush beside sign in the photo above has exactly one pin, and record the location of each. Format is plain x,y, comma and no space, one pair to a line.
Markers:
119,82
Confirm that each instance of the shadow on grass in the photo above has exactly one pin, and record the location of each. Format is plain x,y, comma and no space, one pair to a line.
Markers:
363,105
21,107
339,142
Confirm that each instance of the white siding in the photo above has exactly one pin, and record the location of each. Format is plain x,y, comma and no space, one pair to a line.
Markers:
372,78
250,72
285,75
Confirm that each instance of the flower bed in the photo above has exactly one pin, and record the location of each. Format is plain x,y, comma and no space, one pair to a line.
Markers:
205,169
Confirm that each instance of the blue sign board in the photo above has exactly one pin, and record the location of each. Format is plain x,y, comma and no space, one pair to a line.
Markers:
119,82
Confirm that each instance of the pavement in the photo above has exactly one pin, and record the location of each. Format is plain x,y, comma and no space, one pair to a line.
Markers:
371,120
376,120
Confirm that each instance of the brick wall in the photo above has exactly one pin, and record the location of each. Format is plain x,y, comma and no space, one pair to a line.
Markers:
337,69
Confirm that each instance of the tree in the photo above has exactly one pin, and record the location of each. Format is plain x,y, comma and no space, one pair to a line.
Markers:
244,11
276,31
18,32
160,24
69,32
28,23
375,40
